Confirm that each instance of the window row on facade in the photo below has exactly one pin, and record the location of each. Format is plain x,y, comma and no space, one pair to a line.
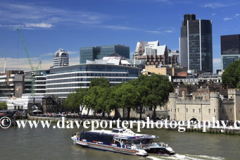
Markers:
113,74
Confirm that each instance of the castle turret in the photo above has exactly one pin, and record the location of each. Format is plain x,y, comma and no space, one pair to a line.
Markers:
172,105
235,94
214,106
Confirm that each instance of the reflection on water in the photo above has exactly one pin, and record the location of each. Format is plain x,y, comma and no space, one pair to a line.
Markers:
56,144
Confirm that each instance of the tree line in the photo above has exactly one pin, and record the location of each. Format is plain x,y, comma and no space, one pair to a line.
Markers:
3,106
145,91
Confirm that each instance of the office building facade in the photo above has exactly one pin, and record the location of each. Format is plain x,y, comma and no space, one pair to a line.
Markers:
64,80
12,83
230,49
97,52
196,44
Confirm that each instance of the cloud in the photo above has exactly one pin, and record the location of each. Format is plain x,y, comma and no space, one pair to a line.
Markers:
120,28
40,25
227,19
216,60
23,64
72,52
217,5
169,31
47,54
26,16
155,32
213,14
129,28
236,15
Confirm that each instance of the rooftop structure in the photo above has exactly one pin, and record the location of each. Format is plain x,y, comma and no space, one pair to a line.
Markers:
117,59
61,58
97,52
152,53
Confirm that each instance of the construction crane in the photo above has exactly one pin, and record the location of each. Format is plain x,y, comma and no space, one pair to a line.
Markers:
34,69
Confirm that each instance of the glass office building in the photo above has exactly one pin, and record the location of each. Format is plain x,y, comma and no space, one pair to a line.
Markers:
92,53
196,44
89,53
230,49
64,80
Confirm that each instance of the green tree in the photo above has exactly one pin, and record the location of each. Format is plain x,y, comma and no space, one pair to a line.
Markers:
113,101
231,75
3,106
142,90
127,96
102,82
75,99
159,87
90,99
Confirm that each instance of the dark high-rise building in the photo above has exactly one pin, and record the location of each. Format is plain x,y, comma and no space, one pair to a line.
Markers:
196,44
230,49
89,53
92,53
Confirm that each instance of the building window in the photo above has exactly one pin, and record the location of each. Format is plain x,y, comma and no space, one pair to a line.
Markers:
222,111
214,110
230,110
209,110
199,110
186,109
178,109
193,110
171,110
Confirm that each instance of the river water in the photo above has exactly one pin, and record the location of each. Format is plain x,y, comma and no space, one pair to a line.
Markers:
52,143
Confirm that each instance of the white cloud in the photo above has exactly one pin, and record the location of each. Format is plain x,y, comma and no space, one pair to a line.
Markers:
26,16
227,19
216,60
169,31
129,28
72,52
236,15
155,32
47,54
217,5
40,25
23,64
120,28
214,14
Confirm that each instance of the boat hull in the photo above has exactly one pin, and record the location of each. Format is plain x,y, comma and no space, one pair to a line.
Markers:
110,148
159,151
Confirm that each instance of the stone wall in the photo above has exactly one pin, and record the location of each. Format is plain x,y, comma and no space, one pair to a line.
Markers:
186,109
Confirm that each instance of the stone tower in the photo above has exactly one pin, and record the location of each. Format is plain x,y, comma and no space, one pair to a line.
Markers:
235,94
172,105
214,106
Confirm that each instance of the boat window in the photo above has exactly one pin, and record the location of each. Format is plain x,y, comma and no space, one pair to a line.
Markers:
136,141
115,131
146,141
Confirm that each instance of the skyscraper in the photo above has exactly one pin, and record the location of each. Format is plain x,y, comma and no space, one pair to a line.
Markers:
92,53
60,58
230,49
196,44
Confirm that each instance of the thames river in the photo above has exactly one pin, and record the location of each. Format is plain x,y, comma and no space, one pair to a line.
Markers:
56,144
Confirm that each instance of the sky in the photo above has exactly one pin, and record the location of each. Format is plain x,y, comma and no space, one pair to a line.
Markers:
47,26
